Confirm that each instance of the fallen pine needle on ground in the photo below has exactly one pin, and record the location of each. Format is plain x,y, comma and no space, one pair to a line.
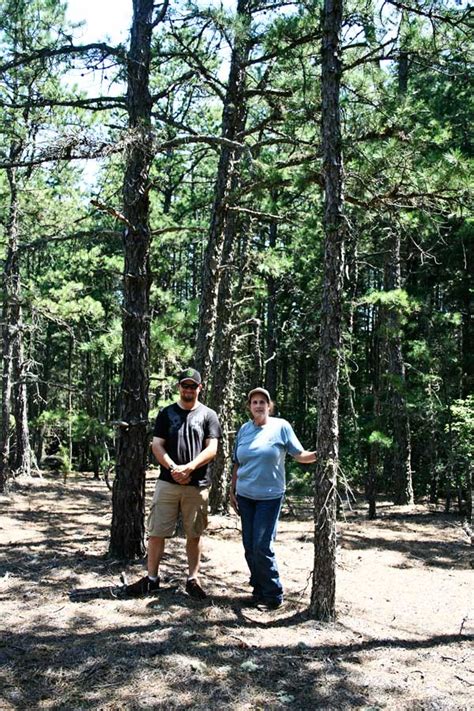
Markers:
402,638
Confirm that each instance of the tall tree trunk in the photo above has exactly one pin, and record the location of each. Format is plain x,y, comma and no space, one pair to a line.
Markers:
467,345
233,120
22,435
397,411
6,386
22,461
69,399
323,591
375,454
216,343
271,338
403,72
128,499
43,389
11,295
223,391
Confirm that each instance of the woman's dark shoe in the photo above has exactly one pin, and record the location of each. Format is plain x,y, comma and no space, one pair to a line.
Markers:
269,604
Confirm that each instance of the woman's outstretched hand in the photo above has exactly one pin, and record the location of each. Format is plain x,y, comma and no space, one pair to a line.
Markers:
306,457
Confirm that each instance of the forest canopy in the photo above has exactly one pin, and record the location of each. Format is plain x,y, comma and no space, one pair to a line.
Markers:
185,198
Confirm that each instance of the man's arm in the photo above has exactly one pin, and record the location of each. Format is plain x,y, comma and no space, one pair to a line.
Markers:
158,449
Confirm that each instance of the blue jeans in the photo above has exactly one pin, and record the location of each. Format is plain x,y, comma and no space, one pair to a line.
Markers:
259,526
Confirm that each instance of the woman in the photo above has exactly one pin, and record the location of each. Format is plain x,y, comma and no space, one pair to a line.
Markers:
257,489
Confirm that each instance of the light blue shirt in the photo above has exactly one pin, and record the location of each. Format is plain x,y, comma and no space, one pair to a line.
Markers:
260,453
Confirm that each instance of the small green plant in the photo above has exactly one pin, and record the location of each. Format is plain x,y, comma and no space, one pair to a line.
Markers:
64,460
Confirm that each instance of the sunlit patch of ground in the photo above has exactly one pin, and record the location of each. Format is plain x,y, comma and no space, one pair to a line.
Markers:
402,639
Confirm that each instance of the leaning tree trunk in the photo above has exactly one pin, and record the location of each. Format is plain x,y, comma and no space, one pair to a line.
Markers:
233,116
225,353
322,605
216,342
128,499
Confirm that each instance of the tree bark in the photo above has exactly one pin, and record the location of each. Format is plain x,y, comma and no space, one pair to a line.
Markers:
233,121
128,499
397,411
322,605
22,434
223,382
375,455
271,336
11,296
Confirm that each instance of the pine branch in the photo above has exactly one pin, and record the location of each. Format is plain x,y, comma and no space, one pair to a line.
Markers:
21,59
449,18
45,241
256,213
72,148
375,55
111,211
98,103
282,51
177,228
214,141
161,15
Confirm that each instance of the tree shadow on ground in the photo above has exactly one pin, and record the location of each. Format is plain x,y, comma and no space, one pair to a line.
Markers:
81,666
199,655
434,553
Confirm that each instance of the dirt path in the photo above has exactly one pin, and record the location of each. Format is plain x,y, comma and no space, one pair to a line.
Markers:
403,639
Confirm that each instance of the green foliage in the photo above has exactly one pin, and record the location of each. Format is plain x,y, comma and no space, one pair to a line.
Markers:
300,482
65,463
462,427
274,264
69,303
407,172
380,439
395,299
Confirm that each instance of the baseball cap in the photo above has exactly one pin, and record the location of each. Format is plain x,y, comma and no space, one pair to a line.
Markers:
259,390
190,374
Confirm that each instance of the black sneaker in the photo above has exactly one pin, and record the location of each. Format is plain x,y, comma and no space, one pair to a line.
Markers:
144,586
269,604
195,590
250,601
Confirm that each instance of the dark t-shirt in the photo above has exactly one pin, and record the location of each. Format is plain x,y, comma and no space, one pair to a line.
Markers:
185,432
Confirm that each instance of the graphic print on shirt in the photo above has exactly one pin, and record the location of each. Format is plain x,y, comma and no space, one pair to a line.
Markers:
175,422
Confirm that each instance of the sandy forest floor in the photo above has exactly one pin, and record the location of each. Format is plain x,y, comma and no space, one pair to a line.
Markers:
402,640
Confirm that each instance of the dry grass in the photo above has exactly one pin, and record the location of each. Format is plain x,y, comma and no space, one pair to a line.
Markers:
402,639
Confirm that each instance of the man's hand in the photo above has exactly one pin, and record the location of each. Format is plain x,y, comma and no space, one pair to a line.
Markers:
182,473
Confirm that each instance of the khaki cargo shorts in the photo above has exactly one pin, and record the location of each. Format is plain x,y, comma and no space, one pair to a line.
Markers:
168,500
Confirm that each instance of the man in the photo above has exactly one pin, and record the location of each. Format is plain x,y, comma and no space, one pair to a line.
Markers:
184,442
